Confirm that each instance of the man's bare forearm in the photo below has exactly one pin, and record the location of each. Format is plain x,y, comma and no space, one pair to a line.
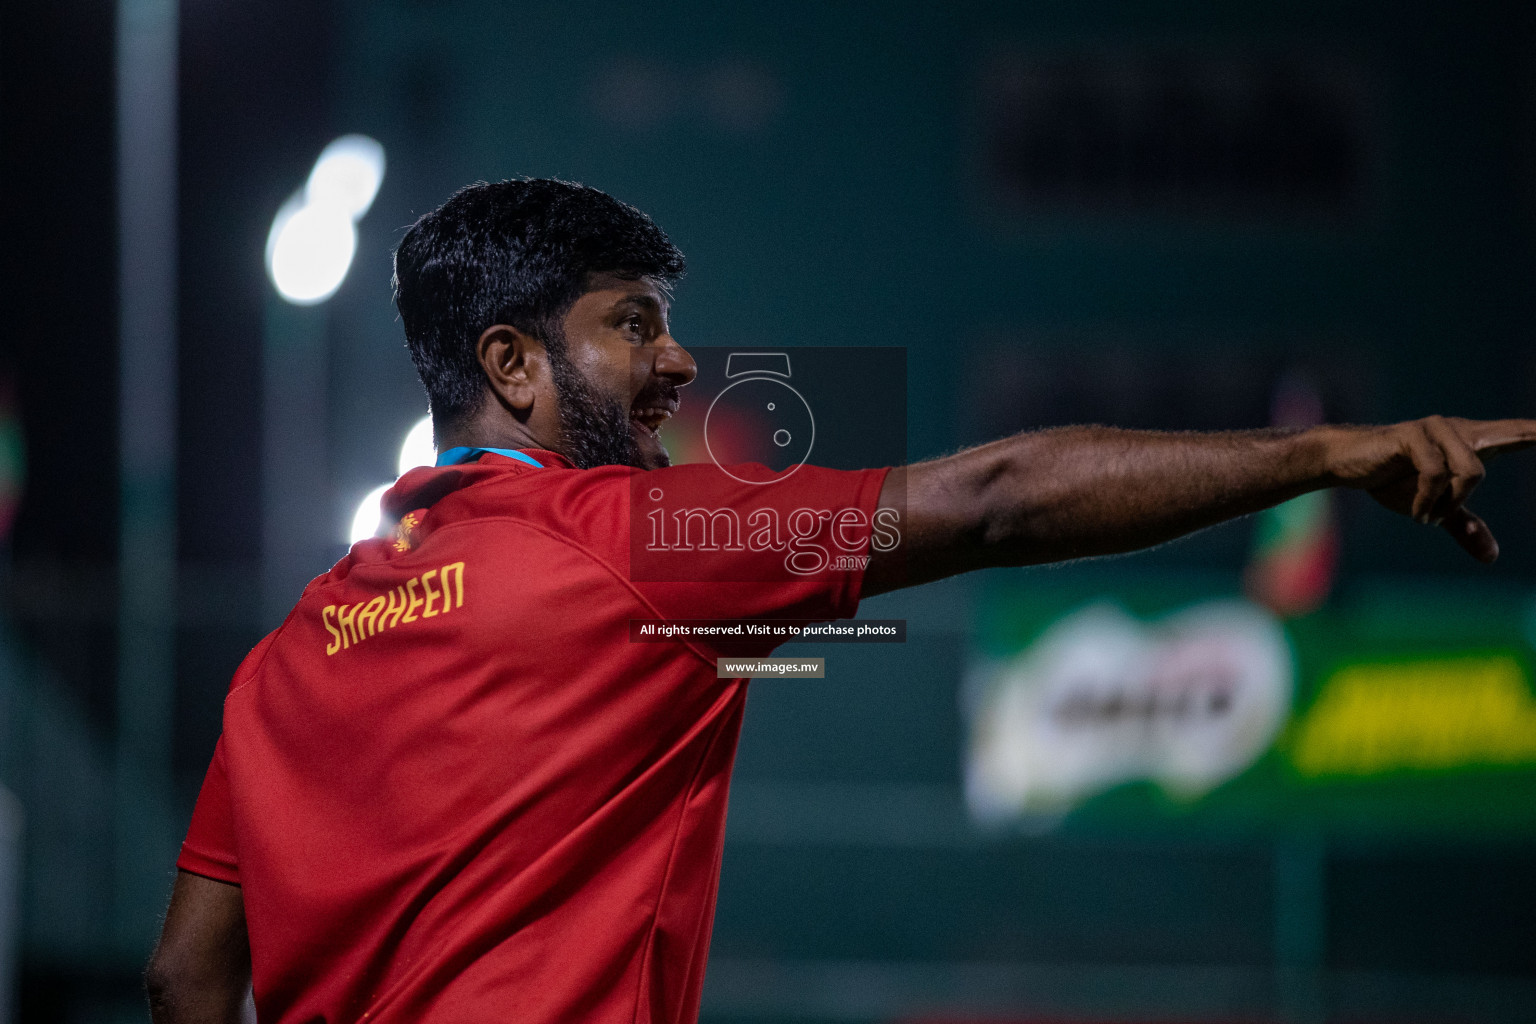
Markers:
1080,491
1075,492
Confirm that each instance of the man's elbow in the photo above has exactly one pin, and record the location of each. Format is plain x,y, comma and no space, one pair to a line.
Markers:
181,990
167,981
1012,501
159,976
971,497
159,984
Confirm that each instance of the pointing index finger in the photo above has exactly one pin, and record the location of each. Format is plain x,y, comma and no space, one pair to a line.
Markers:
1492,438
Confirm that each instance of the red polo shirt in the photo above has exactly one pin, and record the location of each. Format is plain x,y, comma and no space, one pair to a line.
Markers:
450,786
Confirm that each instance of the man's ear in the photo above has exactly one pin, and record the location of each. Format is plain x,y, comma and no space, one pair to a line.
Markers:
514,363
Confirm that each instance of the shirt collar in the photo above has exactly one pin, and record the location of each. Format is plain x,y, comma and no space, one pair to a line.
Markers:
464,453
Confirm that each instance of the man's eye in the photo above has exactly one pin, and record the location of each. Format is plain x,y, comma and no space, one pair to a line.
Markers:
635,324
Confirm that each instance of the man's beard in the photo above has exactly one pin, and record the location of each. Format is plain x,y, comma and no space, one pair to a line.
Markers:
595,430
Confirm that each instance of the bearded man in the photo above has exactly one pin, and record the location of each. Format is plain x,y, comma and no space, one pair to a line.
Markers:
449,788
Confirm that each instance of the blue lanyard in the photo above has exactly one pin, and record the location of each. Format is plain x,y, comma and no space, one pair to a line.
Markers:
454,456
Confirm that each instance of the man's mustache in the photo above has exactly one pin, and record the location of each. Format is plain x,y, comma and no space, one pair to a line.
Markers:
664,392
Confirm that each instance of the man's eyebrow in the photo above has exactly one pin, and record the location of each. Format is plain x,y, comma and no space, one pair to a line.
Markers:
641,299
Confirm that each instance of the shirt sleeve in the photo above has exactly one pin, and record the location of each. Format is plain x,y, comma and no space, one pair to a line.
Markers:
708,544
209,848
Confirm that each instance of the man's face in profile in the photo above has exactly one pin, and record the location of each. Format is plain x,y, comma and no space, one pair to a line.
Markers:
618,379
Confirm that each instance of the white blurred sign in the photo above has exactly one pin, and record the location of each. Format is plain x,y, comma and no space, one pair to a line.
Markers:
1101,699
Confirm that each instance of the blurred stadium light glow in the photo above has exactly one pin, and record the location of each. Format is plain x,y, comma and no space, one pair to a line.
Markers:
417,449
309,251
314,235
347,175
365,522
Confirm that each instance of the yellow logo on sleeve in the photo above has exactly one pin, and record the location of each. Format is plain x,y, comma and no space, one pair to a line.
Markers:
404,537
433,593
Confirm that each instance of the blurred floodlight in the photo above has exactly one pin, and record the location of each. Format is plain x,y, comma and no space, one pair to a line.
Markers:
309,250
417,449
365,523
347,175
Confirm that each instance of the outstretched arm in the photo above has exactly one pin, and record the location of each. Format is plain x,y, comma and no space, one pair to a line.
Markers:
1075,492
200,972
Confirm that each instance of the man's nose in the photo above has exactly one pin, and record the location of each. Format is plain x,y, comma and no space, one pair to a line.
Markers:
674,362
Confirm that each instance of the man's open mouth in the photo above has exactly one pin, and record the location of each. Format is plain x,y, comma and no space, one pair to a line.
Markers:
652,416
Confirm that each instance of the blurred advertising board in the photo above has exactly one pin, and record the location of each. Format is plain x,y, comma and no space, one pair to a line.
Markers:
1114,699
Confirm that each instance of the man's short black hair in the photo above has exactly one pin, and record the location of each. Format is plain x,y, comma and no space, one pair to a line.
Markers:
517,253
